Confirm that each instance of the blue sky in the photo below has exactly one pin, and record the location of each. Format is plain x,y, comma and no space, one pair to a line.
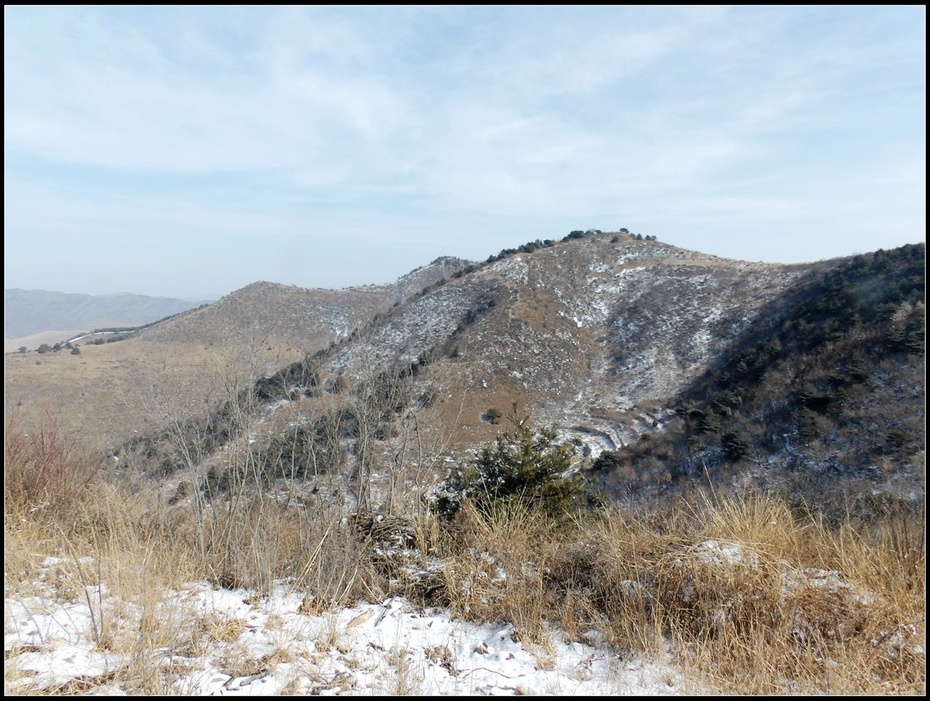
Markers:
187,152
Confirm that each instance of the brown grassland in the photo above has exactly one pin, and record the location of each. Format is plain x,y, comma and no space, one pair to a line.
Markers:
113,390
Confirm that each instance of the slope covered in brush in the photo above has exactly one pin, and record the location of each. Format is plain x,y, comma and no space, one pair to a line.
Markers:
826,386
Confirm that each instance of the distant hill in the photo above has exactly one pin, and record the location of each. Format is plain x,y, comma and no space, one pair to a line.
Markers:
661,366
305,319
664,368
114,388
29,313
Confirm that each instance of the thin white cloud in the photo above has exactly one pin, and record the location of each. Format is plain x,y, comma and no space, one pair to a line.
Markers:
414,123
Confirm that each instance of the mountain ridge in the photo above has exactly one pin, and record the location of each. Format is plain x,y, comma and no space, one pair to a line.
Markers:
601,335
611,345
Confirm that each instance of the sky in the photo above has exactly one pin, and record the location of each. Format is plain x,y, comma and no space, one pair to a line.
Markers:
188,152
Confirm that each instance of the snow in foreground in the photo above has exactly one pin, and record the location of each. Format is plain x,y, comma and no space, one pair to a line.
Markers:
268,645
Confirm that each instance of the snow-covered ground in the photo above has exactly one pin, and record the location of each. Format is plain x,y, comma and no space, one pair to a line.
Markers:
63,637
232,642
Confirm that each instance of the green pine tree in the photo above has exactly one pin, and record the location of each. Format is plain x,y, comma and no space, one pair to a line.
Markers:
524,464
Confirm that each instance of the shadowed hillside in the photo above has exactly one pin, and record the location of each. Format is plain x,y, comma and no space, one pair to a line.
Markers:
826,388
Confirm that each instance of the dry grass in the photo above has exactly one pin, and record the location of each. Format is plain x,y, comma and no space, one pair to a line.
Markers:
496,568
747,597
120,552
762,603
744,594
128,385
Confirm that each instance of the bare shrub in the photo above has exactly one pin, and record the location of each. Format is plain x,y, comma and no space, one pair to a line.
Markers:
44,469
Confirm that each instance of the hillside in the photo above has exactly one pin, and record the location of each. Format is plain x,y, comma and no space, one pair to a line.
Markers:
587,333
614,340
609,337
121,384
302,319
30,312
822,396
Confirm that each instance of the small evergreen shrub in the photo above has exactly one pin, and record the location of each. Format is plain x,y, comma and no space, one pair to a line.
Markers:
524,464
735,446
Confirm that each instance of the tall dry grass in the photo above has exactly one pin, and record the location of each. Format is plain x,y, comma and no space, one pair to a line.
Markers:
123,553
779,603
738,589
741,591
494,568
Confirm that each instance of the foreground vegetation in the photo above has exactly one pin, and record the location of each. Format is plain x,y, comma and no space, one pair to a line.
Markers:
748,592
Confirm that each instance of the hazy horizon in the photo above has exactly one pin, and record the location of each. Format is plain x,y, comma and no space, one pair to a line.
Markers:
216,296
